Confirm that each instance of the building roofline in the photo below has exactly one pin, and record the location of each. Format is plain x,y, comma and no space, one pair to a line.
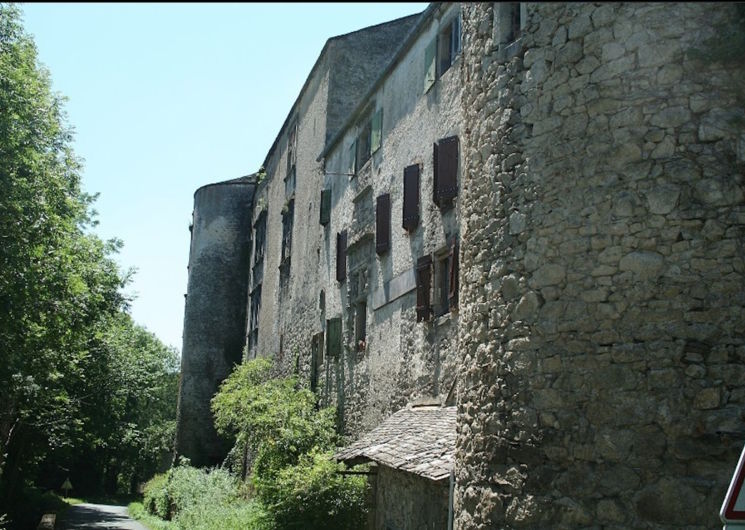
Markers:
425,16
246,179
295,104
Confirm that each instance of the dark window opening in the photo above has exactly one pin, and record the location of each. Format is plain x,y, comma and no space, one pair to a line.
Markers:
288,215
360,325
260,237
423,288
333,338
364,145
253,326
316,362
448,45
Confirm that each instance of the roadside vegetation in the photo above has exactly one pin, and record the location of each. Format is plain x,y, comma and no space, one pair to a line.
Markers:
87,394
283,446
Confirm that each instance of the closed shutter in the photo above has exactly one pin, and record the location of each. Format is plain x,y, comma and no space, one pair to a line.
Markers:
411,197
446,171
325,207
453,277
436,174
341,256
430,64
377,131
383,224
333,338
423,287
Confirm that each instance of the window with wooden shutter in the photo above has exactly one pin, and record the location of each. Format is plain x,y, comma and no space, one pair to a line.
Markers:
453,280
341,256
333,338
445,180
383,224
325,207
423,287
352,159
411,197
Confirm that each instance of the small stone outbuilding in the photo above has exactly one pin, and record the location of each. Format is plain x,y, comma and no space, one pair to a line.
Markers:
414,452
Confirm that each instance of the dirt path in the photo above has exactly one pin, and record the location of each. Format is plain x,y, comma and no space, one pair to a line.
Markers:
98,517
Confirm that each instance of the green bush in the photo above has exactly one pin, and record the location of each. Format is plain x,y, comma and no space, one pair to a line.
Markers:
155,496
314,495
237,515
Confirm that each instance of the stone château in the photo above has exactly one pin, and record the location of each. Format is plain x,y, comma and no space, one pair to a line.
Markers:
517,229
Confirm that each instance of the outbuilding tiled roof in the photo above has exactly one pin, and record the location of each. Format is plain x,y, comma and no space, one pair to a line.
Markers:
420,440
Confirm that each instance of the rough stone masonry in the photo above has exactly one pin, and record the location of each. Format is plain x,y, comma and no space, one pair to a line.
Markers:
603,267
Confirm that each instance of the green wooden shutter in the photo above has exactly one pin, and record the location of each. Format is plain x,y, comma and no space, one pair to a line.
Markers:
430,65
333,338
352,158
325,217
377,131
341,256
453,276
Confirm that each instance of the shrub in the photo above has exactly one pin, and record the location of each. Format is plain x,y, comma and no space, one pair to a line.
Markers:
237,515
314,495
155,496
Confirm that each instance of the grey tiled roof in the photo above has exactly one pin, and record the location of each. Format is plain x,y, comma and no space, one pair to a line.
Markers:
420,440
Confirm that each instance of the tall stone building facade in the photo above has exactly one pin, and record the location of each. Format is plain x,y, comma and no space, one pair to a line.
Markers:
535,211
603,266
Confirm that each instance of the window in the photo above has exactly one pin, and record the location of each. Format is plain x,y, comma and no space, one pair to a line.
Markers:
445,181
383,224
253,325
291,160
423,286
411,198
508,21
448,45
325,216
260,237
368,141
440,54
288,213
316,362
446,280
360,325
341,256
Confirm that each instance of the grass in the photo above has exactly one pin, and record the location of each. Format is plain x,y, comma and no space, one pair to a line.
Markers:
137,511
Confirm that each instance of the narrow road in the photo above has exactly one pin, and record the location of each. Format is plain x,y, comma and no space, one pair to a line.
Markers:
97,517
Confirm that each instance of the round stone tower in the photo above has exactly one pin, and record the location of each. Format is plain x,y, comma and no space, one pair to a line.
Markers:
215,312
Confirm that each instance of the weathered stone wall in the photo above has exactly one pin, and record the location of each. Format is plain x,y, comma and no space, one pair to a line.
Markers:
408,502
215,312
603,270
404,360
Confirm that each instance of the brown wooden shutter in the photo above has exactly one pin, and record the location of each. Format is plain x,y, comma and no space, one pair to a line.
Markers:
423,287
411,197
446,171
383,224
341,256
325,207
453,277
333,337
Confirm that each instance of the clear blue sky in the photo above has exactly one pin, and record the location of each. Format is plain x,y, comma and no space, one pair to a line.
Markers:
165,98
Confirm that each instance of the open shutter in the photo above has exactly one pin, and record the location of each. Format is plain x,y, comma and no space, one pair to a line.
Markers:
423,287
325,207
352,158
430,65
436,174
341,256
377,131
453,276
333,338
411,197
383,224
446,171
